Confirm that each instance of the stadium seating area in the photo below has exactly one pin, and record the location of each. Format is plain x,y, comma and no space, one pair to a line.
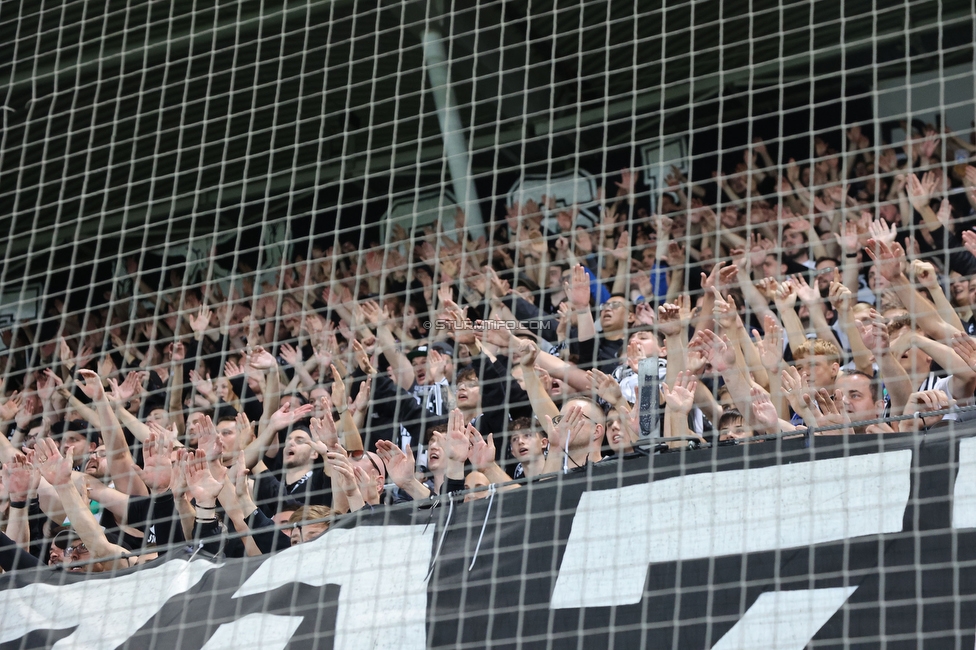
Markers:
826,296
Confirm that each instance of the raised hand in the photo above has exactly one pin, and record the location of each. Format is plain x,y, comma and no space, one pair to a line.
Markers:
888,260
232,369
400,465
770,346
293,356
284,417
669,319
323,433
359,404
91,385
807,294
200,481
260,359
362,358
717,350
17,479
10,408
208,441
579,288
881,230
925,274
158,465
201,321
481,452
785,297
681,398
841,298
724,311
203,385
54,468
456,443
605,386
763,410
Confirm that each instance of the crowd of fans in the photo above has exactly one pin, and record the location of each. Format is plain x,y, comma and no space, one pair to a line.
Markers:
825,298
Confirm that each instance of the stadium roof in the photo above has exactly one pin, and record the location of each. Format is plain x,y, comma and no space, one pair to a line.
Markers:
162,119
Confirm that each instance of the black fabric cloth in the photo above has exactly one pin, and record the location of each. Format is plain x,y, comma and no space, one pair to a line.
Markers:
390,408
12,557
270,491
156,516
530,316
600,353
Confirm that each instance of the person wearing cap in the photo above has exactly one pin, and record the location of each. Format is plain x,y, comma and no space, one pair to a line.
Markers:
432,367
91,551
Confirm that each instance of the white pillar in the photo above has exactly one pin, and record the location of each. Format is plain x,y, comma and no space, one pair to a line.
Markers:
452,131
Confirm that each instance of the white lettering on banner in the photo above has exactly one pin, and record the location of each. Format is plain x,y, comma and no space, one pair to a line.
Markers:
106,612
964,494
381,572
264,631
724,513
784,620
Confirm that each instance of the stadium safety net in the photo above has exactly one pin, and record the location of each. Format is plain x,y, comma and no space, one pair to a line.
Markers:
459,324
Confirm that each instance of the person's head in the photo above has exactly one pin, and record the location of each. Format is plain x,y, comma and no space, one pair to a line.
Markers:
732,426
294,400
594,427
224,390
373,465
773,267
818,361
226,425
959,289
913,359
475,480
526,441
617,436
828,273
418,359
194,419
81,439
862,397
876,282
556,275
436,449
731,217
97,465
795,244
615,314
648,343
308,523
823,306
75,556
298,450
468,391
317,398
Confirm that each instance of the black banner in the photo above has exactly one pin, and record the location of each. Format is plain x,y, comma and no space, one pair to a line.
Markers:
862,542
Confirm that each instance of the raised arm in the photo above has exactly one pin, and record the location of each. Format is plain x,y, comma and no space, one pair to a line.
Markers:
56,470
121,466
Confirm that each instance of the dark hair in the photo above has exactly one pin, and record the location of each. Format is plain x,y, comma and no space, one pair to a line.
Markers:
872,382
730,418
437,428
59,429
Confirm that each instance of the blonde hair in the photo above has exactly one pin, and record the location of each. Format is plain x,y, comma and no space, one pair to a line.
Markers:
816,348
318,514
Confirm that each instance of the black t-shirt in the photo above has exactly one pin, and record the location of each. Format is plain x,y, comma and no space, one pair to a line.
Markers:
155,515
313,489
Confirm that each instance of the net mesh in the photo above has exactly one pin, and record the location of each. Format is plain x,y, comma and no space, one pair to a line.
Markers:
611,323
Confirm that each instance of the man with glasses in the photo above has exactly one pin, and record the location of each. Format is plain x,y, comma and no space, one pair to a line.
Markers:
575,435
